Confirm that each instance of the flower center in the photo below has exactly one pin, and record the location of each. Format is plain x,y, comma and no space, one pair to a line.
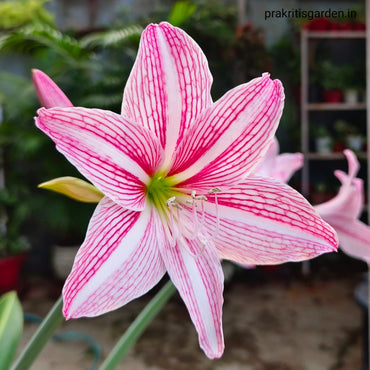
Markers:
159,190
183,215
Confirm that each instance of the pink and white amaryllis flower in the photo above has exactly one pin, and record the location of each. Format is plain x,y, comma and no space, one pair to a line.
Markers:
175,169
343,212
279,166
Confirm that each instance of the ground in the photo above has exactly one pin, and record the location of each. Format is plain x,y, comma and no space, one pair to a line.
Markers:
274,319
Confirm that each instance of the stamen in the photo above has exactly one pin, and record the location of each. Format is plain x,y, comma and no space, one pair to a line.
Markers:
175,231
194,255
184,229
215,191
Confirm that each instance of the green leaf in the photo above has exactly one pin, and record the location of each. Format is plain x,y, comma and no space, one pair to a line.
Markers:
11,327
111,37
180,12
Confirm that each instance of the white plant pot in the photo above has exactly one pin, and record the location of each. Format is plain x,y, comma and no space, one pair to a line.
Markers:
351,96
324,144
355,142
62,260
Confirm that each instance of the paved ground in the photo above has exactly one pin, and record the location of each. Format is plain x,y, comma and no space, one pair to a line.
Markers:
274,319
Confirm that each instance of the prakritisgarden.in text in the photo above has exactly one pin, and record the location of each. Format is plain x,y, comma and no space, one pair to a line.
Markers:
311,14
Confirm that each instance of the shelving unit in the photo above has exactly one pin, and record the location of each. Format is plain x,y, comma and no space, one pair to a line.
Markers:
310,39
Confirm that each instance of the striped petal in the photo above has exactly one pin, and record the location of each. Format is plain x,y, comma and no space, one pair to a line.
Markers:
350,198
48,92
342,212
118,261
169,84
115,155
286,165
280,167
263,221
199,281
230,137
354,236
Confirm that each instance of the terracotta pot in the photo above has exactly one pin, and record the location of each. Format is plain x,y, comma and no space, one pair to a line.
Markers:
333,96
9,272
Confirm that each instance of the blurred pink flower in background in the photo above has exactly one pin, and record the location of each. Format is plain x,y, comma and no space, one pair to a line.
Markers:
279,166
343,212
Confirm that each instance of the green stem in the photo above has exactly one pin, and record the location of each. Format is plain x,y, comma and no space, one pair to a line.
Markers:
134,331
44,332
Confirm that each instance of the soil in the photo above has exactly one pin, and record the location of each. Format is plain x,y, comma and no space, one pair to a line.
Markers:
274,319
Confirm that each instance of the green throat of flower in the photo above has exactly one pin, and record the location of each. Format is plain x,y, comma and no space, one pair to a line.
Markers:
159,190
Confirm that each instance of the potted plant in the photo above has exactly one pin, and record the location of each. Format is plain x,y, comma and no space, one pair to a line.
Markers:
332,81
355,140
341,128
348,135
351,88
13,246
323,140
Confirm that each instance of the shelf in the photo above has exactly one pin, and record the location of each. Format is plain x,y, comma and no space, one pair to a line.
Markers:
336,106
335,34
332,156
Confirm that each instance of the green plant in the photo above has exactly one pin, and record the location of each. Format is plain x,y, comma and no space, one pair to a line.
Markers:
321,131
12,216
332,77
20,12
11,327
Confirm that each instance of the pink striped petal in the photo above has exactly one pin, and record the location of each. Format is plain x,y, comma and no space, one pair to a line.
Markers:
118,261
354,236
231,137
169,84
266,166
350,199
280,167
263,221
48,92
342,212
199,281
115,155
286,165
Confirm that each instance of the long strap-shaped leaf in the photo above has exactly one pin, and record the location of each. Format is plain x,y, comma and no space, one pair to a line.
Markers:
45,331
138,326
11,327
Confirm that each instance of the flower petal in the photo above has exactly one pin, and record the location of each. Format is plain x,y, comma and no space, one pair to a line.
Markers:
169,84
231,137
48,92
74,188
286,165
199,281
263,221
354,237
342,212
349,201
115,155
118,261
266,166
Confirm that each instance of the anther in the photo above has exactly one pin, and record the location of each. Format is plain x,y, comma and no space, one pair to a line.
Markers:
198,197
171,203
214,190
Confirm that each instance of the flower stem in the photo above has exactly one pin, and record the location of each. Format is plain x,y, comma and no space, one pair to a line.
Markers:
44,332
134,331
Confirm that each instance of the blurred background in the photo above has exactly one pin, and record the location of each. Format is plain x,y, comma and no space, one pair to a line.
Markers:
88,48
